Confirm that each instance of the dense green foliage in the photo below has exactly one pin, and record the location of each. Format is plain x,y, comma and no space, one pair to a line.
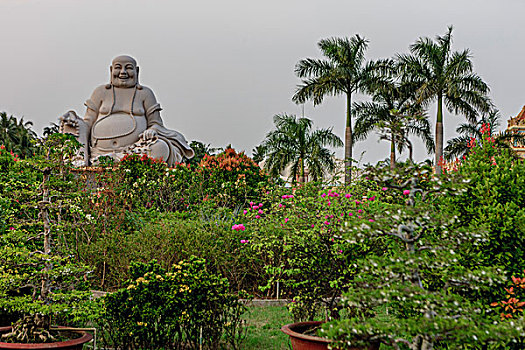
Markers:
185,307
493,203
426,292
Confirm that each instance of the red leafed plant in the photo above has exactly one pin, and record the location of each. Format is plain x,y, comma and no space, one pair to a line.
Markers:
514,299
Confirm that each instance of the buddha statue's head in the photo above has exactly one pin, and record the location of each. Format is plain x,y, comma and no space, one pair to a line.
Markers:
124,72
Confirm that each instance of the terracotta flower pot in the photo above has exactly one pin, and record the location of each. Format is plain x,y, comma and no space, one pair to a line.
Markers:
302,341
73,344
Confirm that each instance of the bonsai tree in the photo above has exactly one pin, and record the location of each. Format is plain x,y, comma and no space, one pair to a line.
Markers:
37,282
419,293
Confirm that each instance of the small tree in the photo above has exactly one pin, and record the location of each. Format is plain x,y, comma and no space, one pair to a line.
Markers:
36,280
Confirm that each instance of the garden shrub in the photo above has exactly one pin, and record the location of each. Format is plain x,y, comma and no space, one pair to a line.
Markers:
493,202
169,238
297,238
231,179
420,294
184,307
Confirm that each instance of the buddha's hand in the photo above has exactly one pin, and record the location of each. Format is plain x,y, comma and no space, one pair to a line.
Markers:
149,135
70,118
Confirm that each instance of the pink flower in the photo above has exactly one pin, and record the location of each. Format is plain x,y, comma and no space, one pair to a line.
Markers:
260,205
280,205
251,204
359,217
372,198
323,195
255,207
350,214
11,228
360,211
326,222
257,216
406,192
260,211
245,212
286,220
244,241
329,203
348,195
384,189
357,202
340,251
371,220
313,225
238,227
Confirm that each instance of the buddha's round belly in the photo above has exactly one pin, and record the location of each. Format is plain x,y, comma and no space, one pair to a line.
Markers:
117,131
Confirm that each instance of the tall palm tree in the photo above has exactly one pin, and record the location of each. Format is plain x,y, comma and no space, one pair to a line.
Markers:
294,143
468,132
344,71
447,78
393,112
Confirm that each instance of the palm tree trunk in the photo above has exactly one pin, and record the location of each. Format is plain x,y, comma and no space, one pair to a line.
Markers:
410,151
439,136
301,175
348,140
392,153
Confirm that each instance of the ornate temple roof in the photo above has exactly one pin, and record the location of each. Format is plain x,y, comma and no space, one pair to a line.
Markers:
518,121
517,125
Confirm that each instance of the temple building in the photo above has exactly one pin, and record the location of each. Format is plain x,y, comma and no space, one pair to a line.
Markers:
517,125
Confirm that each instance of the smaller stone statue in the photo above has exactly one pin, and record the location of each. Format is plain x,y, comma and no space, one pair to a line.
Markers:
123,117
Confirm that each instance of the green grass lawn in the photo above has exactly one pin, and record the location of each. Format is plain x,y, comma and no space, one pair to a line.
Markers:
264,328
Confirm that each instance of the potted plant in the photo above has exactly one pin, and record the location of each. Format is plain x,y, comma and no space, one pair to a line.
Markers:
38,282
422,292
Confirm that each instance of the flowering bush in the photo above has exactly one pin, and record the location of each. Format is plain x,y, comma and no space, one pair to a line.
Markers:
185,307
231,179
298,238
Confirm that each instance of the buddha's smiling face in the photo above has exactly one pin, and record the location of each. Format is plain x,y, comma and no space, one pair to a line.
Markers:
124,72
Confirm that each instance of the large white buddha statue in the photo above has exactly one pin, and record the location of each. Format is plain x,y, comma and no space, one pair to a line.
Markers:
123,117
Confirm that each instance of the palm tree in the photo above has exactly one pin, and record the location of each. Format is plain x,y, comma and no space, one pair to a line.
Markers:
393,112
344,71
294,143
258,154
17,135
53,128
459,146
447,78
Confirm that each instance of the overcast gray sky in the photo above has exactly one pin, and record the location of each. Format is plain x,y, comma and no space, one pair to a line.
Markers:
222,69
